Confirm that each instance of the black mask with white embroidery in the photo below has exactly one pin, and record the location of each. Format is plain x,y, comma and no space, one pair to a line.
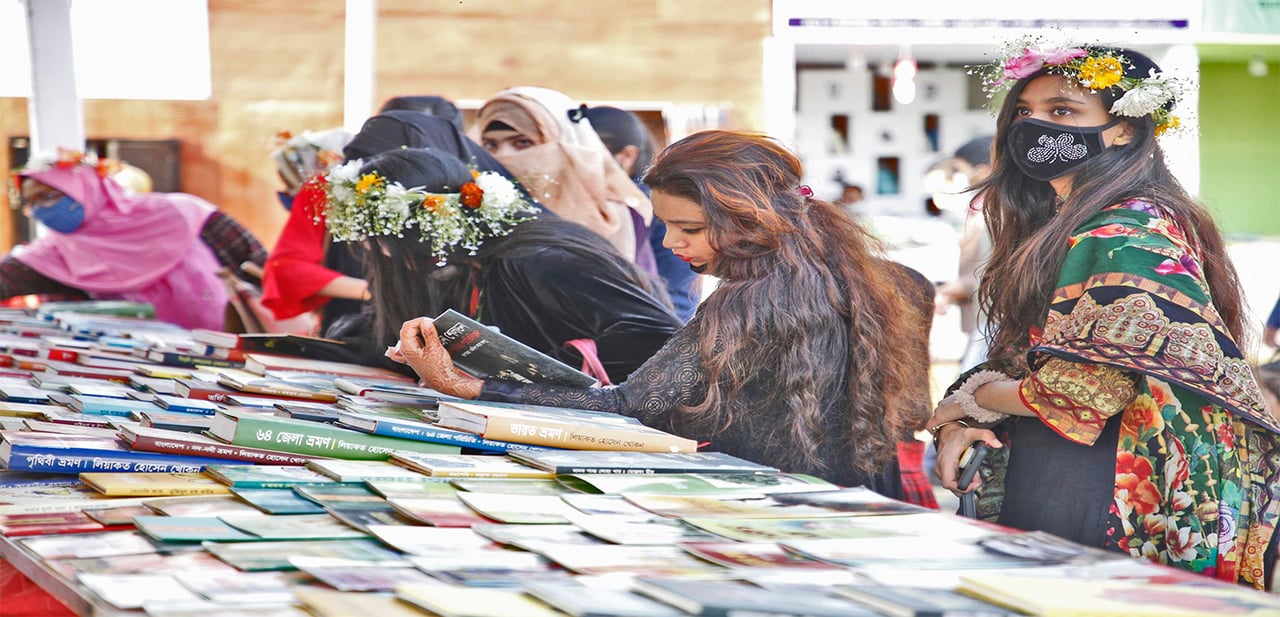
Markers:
1045,150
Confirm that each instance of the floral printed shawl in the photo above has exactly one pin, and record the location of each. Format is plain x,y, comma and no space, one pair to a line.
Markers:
1197,451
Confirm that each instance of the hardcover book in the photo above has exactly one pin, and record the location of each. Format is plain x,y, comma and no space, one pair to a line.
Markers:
73,454
266,476
157,484
597,462
357,472
262,363
422,430
311,438
488,354
300,386
151,439
590,431
467,466
726,598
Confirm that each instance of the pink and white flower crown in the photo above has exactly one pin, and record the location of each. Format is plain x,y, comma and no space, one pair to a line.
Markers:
1093,68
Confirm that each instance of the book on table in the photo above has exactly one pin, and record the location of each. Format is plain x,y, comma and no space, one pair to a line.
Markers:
159,484
311,438
903,601
406,428
560,428
624,462
467,465
305,386
153,439
486,353
728,597
73,454
263,364
101,405
1083,597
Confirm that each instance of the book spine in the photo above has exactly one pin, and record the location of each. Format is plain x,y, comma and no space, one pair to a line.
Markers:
61,355
574,437
53,462
289,394
317,440
420,432
164,491
233,452
187,360
202,394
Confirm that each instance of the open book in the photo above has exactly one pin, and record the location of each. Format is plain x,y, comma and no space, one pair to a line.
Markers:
484,352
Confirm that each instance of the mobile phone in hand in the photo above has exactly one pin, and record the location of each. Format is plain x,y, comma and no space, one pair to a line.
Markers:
970,461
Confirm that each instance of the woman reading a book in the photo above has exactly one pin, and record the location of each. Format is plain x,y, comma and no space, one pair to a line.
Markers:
106,242
1122,411
811,354
441,236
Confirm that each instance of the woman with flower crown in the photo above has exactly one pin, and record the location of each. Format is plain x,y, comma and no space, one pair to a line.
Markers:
99,232
440,236
1119,406
810,355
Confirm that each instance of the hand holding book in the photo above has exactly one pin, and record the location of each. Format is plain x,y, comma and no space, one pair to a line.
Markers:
421,349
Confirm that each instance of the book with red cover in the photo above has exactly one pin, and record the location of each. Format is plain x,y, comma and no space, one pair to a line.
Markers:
200,389
150,439
45,523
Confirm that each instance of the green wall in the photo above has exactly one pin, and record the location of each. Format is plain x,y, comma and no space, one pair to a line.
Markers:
1239,119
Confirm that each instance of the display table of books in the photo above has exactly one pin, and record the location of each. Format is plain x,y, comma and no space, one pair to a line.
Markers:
135,487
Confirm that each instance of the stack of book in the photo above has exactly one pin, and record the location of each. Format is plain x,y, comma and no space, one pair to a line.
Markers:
175,488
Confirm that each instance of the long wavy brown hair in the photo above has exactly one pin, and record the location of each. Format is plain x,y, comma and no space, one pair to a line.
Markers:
808,315
1030,233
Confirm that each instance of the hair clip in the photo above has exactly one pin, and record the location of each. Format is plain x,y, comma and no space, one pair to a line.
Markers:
578,114
804,191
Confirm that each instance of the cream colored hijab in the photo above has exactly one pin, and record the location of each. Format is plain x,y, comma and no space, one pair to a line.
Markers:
570,171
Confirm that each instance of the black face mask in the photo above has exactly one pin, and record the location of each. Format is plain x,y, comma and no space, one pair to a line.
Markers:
1044,150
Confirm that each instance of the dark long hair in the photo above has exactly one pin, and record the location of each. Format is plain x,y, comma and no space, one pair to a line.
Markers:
404,277
807,316
1030,235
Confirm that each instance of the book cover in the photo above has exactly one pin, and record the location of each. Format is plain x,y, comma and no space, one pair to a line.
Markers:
43,523
724,598
216,338
898,600
360,386
596,462
274,555
343,495
1053,597
202,505
292,345
699,506
582,601
105,406
262,363
99,388
68,369
74,454
486,353
519,509
422,430
164,484
62,415
458,601
301,386
348,575
627,559
152,439
173,420
277,501
322,602
116,516
200,389
311,438
182,359
318,526
184,405
189,529
421,540
266,476
481,568
857,500
721,486
630,530
28,394
26,410
356,472
752,555
467,466
438,511
561,430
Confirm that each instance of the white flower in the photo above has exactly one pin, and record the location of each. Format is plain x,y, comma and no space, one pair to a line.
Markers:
1182,543
1144,98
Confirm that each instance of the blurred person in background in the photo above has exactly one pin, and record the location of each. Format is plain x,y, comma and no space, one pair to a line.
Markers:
431,105
631,144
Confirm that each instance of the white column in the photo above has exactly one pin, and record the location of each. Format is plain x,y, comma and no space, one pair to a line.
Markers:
1182,147
54,107
779,84
360,63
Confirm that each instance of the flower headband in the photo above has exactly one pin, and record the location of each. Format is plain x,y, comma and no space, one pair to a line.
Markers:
1094,68
67,158
360,206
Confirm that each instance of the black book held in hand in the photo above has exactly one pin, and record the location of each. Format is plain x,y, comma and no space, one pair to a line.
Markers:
488,354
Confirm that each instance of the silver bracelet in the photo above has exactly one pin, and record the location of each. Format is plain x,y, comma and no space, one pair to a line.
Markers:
963,396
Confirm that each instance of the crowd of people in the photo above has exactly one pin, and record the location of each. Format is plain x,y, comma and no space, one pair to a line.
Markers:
1109,371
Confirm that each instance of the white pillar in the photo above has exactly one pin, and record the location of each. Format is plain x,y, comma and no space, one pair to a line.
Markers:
779,84
360,63
54,107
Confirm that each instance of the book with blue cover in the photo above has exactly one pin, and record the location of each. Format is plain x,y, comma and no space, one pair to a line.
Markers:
425,431
73,454
103,406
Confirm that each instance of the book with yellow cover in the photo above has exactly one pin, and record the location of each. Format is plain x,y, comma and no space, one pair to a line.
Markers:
161,484
1084,597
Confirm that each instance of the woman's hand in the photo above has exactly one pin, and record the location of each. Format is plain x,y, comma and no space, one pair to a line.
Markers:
420,348
951,441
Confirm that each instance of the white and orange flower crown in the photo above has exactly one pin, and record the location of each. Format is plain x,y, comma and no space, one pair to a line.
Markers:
359,206
1095,68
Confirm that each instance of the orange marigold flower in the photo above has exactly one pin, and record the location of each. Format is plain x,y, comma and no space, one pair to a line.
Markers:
475,173
472,195
1101,72
431,203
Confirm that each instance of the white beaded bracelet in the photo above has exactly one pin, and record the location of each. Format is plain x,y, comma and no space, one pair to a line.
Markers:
963,396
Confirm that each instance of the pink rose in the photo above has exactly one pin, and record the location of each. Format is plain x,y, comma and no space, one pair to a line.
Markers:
1024,65
1062,56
